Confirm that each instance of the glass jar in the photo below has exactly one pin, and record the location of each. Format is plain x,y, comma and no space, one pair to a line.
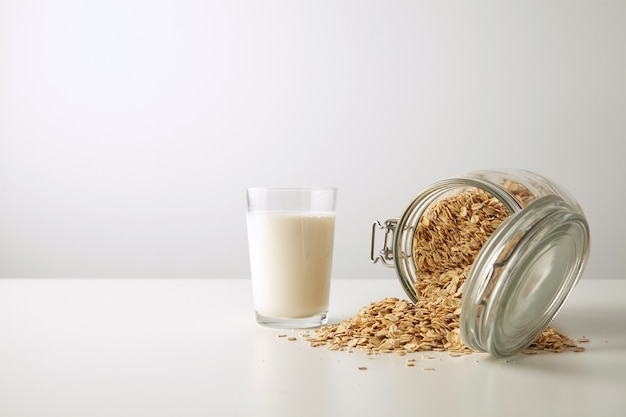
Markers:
524,270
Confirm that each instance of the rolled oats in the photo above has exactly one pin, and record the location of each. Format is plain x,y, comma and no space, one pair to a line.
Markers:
446,241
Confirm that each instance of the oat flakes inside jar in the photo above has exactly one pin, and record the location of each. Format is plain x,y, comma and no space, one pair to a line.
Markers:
502,248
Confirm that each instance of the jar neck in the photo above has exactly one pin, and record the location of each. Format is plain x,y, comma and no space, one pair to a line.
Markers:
404,261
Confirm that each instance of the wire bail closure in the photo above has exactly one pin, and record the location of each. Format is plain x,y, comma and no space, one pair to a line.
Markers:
385,255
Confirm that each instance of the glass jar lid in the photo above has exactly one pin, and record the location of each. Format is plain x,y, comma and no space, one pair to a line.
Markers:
522,276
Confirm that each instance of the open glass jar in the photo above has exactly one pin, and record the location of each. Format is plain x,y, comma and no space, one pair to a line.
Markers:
522,271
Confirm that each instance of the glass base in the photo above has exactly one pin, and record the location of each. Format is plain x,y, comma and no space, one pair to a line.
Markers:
316,320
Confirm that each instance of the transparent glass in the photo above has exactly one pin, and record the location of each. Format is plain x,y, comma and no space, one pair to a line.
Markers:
290,241
524,272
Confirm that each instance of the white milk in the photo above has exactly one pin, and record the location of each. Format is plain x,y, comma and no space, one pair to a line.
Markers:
291,257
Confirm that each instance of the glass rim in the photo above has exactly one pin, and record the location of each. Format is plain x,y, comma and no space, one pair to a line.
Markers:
292,188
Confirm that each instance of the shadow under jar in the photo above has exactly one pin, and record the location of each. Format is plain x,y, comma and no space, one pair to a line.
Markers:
509,244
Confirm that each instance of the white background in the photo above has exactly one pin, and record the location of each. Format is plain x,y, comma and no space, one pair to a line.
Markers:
130,129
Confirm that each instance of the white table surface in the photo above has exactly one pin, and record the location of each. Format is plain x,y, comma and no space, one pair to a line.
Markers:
190,347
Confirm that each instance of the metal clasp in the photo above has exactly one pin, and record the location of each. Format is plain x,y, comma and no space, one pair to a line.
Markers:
385,255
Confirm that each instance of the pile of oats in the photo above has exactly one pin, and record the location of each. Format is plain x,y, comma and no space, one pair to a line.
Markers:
392,326
447,239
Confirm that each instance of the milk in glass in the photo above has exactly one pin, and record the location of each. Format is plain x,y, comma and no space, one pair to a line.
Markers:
291,257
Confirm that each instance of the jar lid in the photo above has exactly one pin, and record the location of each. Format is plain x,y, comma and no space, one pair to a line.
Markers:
522,276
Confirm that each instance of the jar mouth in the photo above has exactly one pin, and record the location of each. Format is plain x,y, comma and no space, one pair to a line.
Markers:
404,261
522,276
